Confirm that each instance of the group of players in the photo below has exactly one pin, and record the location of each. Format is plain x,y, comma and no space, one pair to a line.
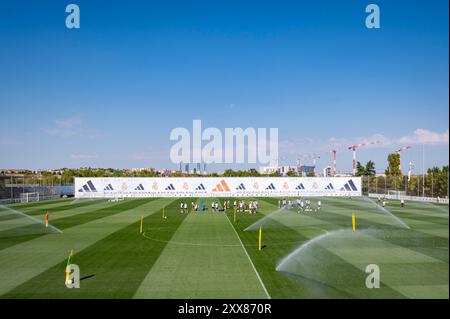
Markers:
239,206
252,206
300,204
383,202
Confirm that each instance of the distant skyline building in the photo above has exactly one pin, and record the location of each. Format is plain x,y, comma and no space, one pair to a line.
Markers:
327,171
305,170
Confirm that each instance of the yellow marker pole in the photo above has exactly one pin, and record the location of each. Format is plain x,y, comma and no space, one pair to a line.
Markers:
67,267
260,238
353,222
164,216
142,224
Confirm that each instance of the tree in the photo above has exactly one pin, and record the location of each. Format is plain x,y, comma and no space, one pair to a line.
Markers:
292,174
370,169
436,182
360,169
393,165
229,172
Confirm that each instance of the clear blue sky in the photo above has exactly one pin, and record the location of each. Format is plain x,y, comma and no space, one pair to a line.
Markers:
108,94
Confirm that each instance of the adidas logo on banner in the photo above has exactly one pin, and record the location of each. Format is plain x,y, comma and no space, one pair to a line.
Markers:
170,188
200,188
300,186
270,186
139,188
241,187
88,187
350,186
109,188
221,187
329,187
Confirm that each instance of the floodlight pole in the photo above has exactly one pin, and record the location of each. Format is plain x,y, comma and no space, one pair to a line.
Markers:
432,184
354,159
423,170
406,185
418,185
376,184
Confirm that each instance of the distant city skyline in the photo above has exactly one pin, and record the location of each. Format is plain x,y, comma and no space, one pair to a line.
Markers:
109,93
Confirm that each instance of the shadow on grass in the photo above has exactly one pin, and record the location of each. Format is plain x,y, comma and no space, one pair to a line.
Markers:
87,277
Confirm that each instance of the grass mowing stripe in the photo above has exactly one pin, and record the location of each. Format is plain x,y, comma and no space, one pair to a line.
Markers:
10,238
22,262
57,209
45,207
250,260
76,220
17,223
113,267
212,266
38,203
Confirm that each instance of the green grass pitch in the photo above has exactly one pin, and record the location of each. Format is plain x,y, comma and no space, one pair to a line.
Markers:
208,255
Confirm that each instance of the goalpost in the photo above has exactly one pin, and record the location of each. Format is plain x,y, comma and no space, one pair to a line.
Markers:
29,197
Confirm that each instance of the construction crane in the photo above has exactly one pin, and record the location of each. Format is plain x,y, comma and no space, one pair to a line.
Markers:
355,147
401,149
334,161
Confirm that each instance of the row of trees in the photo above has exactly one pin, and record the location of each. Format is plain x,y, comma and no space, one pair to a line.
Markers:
434,183
67,176
367,170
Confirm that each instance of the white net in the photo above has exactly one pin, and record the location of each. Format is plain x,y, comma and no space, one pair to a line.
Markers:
29,197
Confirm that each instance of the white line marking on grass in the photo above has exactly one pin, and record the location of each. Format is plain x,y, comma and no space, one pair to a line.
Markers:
251,262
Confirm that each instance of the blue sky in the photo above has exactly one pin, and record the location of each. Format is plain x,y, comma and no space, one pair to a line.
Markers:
109,93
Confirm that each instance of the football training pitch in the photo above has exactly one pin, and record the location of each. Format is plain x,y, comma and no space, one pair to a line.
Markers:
210,254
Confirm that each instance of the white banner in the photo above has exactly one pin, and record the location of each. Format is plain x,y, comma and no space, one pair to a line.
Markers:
216,186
